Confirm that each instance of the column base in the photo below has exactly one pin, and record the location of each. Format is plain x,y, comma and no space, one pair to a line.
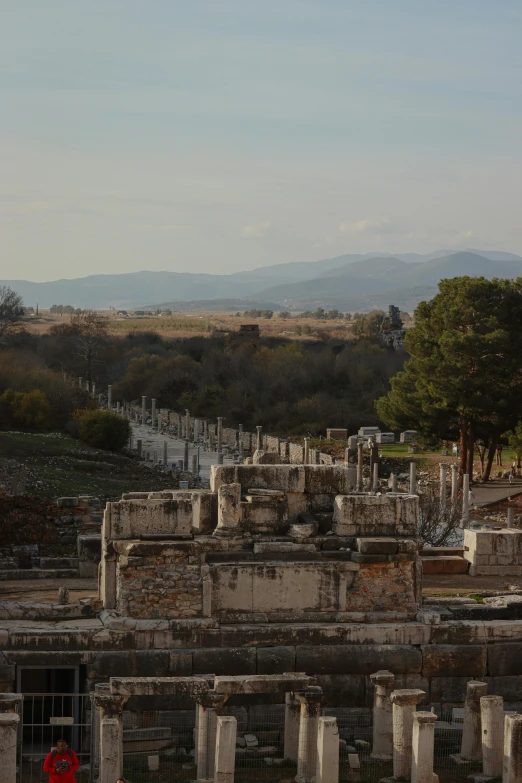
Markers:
479,777
461,761
381,756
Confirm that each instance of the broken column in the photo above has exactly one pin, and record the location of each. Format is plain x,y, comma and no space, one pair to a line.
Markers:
442,494
360,462
187,423
374,460
259,438
225,756
209,705
311,700
229,509
471,745
153,413
109,398
111,736
404,705
375,477
240,442
196,430
165,452
423,741
306,451
8,730
143,410
492,729
512,769
220,440
454,483
186,457
413,478
327,770
465,501
292,719
384,682
393,482
351,460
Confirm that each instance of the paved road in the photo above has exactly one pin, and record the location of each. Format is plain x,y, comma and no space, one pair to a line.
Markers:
493,491
153,441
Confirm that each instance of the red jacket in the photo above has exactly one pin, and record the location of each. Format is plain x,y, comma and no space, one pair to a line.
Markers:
53,758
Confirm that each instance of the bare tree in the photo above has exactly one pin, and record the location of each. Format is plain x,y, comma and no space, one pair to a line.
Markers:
87,334
11,312
438,526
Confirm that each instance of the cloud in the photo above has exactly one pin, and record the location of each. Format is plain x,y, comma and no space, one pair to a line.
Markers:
257,231
370,226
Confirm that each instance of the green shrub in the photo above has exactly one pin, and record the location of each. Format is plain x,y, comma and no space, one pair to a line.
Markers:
27,410
103,430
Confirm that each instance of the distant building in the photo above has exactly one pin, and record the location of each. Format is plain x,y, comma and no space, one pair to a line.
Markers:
336,433
409,436
367,432
385,437
392,331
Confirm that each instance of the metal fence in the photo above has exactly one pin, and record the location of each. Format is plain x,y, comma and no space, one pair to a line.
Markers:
160,746
45,719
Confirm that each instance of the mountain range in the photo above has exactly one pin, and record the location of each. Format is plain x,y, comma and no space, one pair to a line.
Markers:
348,282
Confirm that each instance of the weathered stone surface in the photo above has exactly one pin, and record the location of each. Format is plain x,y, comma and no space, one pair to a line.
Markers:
441,660
504,659
159,686
129,519
342,689
381,515
510,687
275,660
225,661
180,663
113,664
355,659
152,663
262,683
377,546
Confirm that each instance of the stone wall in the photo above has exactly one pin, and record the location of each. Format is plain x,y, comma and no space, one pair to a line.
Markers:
493,552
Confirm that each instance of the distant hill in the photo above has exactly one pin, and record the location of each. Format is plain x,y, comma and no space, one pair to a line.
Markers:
326,283
219,306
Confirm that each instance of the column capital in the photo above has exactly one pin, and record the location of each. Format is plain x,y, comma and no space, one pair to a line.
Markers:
424,717
383,677
10,701
110,706
313,694
9,719
212,701
407,696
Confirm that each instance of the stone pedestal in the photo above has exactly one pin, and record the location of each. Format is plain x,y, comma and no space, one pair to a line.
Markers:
384,682
404,706
327,770
8,729
471,747
292,718
308,725
229,509
512,768
422,747
225,755
492,730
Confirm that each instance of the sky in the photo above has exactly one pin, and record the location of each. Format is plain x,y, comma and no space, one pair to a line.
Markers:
222,135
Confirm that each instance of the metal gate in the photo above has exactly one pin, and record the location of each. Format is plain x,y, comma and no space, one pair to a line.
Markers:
46,718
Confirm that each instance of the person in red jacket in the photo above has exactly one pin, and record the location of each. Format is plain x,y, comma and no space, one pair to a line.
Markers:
61,764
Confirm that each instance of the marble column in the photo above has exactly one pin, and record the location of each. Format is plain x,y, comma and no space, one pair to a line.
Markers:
259,438
306,451
153,414
220,440
393,481
413,477
454,483
209,707
375,477
360,463
404,706
292,718
109,398
311,700
165,453
225,755
143,410
187,423
512,768
384,682
465,501
443,472
111,736
471,744
492,730
423,742
327,770
229,510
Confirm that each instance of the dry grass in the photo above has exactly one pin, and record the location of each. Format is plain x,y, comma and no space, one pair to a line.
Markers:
183,324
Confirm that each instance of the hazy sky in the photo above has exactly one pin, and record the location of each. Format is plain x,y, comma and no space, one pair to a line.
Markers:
219,135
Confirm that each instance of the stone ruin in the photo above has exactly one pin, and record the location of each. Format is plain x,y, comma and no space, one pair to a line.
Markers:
276,571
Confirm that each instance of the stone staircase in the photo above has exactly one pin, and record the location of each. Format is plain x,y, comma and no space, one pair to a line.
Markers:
16,568
444,560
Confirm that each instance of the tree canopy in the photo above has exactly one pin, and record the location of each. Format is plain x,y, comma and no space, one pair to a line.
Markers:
464,373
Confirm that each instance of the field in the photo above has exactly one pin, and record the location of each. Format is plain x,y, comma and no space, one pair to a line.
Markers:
181,325
54,465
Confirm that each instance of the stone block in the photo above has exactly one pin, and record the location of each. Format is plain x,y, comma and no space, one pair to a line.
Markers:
510,687
275,660
180,663
341,689
113,664
504,659
132,518
221,661
288,478
328,480
68,502
358,659
152,663
377,546
204,514
375,515
448,690
441,660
